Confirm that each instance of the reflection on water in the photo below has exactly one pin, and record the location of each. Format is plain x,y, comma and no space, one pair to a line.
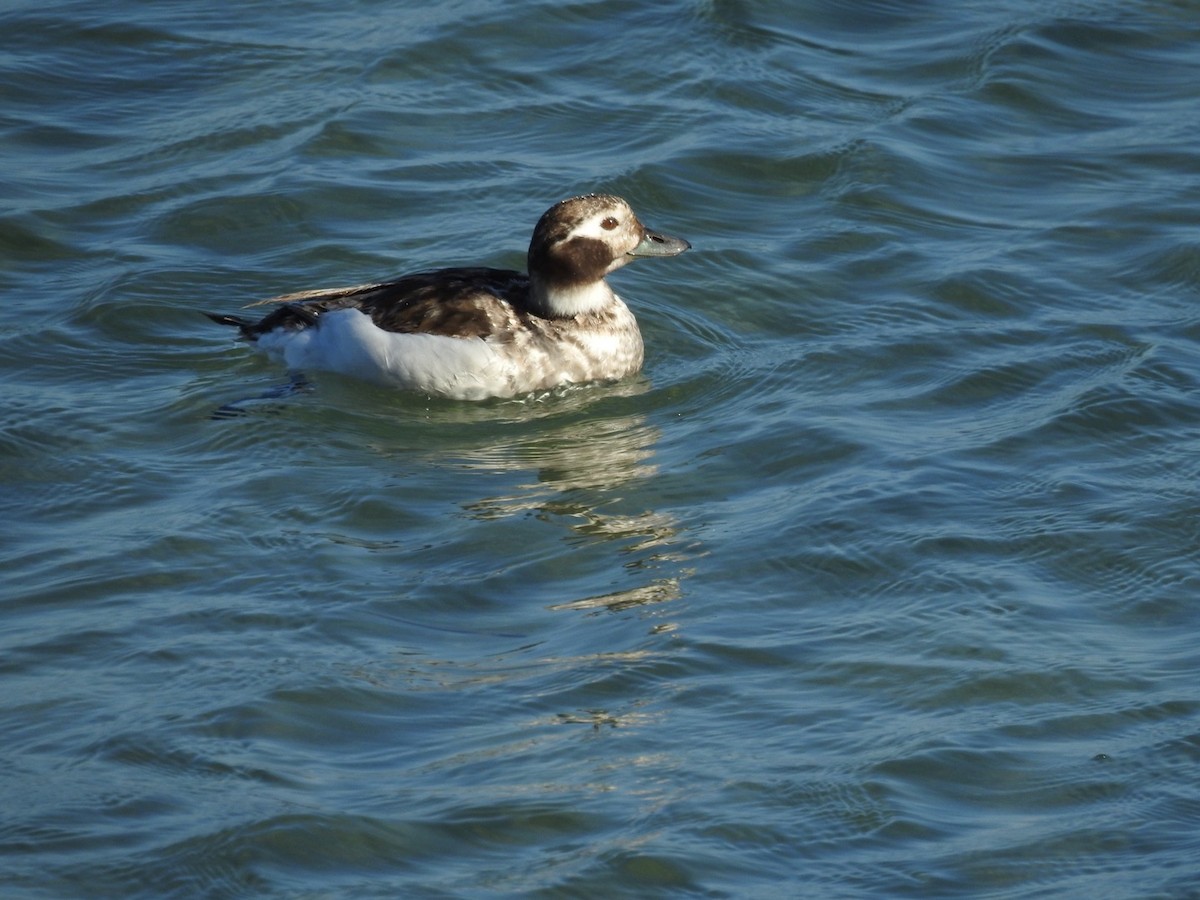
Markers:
581,455
579,474
578,465
658,591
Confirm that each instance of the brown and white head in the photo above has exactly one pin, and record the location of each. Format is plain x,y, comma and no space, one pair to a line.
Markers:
580,240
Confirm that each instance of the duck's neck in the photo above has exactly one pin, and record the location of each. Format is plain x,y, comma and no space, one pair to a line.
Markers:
565,301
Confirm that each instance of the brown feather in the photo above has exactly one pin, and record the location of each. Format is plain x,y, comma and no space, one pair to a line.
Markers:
467,302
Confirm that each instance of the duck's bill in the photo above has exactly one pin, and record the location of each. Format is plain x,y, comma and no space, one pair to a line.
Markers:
656,244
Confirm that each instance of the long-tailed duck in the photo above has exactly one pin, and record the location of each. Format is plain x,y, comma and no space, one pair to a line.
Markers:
471,333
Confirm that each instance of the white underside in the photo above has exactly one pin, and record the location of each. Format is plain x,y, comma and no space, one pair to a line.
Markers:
348,342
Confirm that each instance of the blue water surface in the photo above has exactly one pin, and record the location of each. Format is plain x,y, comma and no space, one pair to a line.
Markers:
881,580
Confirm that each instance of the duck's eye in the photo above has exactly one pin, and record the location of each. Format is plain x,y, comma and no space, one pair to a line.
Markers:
609,224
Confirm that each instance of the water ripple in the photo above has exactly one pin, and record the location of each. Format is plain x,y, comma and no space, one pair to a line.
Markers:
877,582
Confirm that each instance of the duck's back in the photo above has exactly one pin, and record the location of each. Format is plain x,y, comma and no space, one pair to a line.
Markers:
463,302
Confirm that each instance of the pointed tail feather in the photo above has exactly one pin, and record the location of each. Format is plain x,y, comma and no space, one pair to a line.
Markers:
222,319
293,316
243,324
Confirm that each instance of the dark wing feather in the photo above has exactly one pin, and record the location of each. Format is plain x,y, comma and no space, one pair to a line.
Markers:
476,302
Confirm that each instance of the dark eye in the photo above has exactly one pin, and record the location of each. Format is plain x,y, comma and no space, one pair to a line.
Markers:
609,224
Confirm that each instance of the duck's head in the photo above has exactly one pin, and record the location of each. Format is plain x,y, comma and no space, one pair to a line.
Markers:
579,241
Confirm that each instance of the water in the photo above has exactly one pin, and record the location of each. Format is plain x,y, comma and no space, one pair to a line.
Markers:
881,582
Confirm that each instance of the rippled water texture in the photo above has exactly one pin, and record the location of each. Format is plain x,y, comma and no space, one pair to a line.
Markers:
881,581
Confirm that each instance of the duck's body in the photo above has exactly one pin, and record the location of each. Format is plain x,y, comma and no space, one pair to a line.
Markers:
471,333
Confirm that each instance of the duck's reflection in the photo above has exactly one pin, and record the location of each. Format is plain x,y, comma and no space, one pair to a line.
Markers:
580,469
568,494
598,455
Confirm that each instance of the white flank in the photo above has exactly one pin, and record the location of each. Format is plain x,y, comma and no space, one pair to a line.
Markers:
348,342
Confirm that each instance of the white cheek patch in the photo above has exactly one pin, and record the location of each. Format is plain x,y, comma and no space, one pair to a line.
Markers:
622,239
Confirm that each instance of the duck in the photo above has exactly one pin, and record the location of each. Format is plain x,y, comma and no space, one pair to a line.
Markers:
472,333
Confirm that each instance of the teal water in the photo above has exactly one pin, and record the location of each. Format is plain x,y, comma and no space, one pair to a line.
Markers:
882,581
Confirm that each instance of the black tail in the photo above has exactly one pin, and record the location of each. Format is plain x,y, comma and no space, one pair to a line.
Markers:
246,326
288,315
